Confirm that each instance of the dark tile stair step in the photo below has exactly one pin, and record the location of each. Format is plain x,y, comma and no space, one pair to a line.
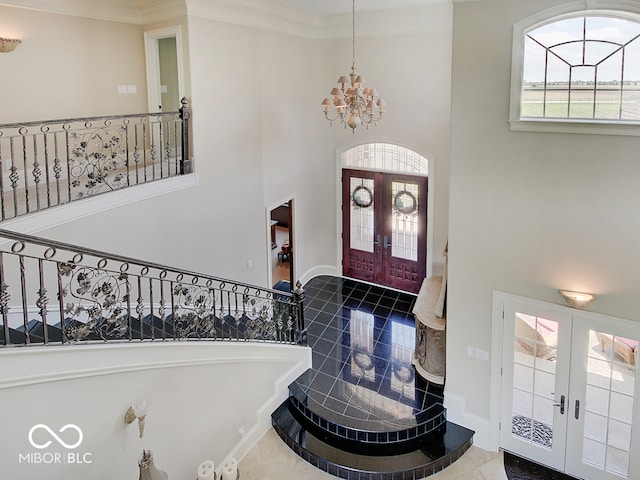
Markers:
36,329
338,416
433,456
159,324
18,337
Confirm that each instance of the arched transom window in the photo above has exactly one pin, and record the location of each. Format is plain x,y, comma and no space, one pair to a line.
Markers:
586,67
578,71
385,157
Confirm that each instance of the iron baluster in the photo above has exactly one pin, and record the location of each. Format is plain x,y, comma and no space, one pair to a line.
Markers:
61,308
13,176
126,146
140,308
45,141
4,302
37,172
42,301
57,169
136,153
151,322
174,149
67,160
161,143
145,123
2,201
24,170
17,247
128,299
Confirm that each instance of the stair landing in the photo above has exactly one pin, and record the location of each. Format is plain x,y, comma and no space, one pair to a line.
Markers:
360,411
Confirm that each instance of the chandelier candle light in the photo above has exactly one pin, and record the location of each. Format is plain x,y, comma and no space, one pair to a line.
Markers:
354,105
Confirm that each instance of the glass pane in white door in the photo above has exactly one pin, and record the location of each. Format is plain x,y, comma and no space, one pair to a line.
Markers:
534,377
362,218
609,399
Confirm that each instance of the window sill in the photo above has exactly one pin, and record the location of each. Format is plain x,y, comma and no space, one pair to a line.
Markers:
575,126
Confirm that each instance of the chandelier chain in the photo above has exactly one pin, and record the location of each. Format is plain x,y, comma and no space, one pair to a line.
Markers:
353,34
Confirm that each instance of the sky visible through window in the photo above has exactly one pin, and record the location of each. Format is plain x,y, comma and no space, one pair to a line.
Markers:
583,67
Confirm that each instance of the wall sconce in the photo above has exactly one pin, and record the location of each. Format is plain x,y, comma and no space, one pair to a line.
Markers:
577,299
137,410
9,44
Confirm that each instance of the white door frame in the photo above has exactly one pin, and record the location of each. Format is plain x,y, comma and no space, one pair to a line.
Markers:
151,38
431,186
292,233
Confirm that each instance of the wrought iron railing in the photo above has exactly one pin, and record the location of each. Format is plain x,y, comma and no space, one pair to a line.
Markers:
45,164
56,293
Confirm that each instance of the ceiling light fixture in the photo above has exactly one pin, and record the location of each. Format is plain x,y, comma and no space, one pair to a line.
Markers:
8,44
354,105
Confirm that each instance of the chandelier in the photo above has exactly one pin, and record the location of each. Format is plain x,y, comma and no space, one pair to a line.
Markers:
354,106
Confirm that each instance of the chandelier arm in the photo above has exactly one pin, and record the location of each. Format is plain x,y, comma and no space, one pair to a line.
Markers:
338,116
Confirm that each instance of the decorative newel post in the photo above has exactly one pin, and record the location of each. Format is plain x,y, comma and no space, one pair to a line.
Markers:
301,333
185,115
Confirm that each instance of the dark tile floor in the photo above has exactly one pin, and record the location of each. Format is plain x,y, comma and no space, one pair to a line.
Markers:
363,338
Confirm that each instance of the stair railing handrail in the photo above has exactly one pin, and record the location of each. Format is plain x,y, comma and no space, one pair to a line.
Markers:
26,238
63,121
100,302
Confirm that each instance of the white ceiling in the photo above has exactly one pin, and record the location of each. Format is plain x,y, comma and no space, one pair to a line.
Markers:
332,7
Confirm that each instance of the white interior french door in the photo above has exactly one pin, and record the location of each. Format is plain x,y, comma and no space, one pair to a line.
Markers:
569,384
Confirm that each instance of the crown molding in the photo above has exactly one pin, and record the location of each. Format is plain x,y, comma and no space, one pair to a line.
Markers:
139,12
279,16
275,15
272,15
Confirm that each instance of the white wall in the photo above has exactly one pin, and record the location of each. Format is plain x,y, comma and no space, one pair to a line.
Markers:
200,394
412,73
530,212
260,137
69,67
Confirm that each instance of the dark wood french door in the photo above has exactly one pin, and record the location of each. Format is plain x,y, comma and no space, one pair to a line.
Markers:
384,228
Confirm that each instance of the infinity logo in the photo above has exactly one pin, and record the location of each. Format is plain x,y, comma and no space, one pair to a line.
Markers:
56,437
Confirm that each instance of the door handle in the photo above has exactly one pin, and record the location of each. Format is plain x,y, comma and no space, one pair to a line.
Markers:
561,405
377,242
386,242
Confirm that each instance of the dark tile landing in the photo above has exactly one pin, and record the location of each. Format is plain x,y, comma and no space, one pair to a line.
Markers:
360,411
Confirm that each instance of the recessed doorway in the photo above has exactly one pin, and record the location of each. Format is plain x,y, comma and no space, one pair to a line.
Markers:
165,84
383,215
281,249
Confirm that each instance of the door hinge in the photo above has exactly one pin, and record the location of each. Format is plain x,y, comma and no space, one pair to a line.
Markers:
499,425
500,371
